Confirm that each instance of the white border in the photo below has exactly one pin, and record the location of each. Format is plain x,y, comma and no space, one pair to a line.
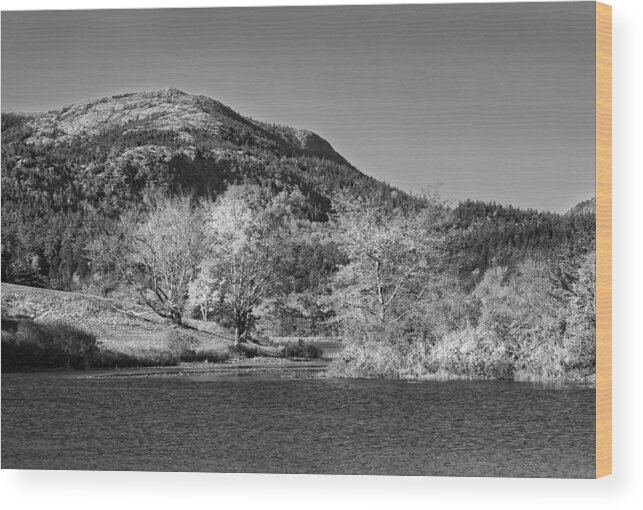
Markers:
64,490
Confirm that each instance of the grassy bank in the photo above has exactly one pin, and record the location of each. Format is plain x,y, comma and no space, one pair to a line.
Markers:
52,329
48,329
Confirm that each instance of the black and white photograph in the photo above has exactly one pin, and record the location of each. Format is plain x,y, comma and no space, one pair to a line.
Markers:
349,240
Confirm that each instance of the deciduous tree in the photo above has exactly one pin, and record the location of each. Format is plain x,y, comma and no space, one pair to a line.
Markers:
392,258
158,252
245,227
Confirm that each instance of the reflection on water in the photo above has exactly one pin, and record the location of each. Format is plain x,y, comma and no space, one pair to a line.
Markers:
272,425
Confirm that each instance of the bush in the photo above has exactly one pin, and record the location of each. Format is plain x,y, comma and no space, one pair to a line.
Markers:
182,344
369,359
301,350
471,353
376,350
28,344
208,356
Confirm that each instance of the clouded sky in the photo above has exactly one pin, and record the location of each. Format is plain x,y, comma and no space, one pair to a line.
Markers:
492,101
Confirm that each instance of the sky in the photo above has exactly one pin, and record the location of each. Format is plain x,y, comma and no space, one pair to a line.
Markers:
485,101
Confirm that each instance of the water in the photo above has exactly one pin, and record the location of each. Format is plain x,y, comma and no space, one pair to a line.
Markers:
272,425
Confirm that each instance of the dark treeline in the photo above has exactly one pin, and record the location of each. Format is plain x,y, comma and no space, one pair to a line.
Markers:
490,234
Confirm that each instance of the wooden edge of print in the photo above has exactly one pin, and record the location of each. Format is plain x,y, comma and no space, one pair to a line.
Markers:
603,240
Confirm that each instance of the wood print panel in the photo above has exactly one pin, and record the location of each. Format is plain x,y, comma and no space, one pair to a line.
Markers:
603,240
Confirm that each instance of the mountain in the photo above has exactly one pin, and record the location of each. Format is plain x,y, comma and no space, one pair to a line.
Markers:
182,117
103,153
68,173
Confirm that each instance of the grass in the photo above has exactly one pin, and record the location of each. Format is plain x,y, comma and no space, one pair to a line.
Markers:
44,328
125,335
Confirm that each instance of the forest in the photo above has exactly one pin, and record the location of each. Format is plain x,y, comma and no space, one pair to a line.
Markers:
245,232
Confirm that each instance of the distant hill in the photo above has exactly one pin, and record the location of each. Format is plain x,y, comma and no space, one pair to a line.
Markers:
489,234
584,207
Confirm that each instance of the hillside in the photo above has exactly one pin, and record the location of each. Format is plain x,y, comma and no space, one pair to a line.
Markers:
71,172
125,334
584,207
44,328
103,153
490,234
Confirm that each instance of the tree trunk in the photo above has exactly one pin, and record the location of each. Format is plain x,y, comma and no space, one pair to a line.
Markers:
380,292
176,317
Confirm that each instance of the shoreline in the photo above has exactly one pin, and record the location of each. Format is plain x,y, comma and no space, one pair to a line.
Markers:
285,368
121,342
235,367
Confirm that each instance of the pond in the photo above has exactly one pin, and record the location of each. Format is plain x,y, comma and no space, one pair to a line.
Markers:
269,424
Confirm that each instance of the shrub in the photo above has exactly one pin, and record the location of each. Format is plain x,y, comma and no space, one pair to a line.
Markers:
208,356
370,359
243,350
471,353
301,350
182,344
28,344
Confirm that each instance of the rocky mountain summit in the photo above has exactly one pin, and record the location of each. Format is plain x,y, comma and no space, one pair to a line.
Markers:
184,118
